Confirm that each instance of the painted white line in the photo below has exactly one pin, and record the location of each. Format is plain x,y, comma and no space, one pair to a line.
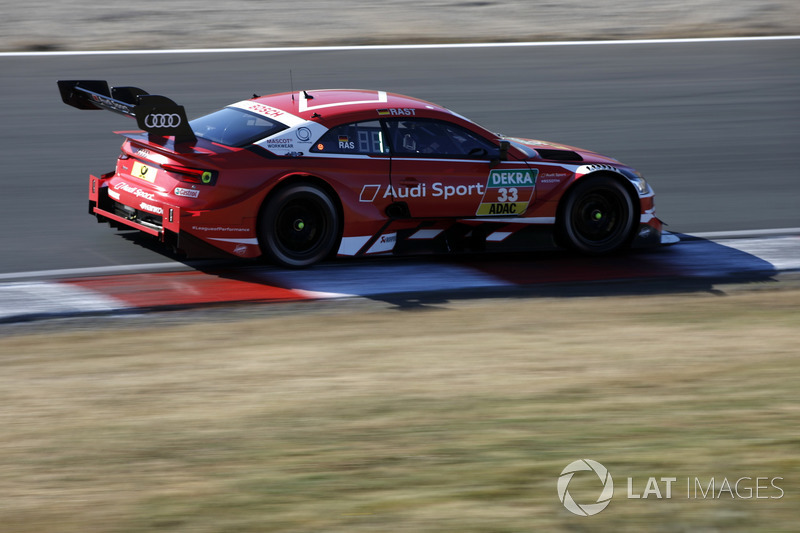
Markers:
398,47
48,298
96,271
745,233
780,252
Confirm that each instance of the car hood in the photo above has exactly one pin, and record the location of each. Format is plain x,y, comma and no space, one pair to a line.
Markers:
535,149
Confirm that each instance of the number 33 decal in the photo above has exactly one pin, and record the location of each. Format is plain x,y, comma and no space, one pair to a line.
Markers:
507,195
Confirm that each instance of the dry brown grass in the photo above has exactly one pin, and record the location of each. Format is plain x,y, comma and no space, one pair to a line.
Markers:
454,419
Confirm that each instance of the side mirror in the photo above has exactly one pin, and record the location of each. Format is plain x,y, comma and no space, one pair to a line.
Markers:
504,146
502,154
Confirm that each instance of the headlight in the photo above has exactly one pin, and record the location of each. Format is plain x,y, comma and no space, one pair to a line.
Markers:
638,181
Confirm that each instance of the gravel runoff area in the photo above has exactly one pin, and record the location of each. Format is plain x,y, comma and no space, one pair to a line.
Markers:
42,25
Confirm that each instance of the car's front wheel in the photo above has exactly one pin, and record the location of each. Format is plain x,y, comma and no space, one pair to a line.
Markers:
299,226
598,216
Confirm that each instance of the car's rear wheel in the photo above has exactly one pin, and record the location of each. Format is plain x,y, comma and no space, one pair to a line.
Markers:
299,226
598,216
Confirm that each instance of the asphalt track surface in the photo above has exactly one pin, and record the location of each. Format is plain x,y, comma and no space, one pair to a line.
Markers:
712,125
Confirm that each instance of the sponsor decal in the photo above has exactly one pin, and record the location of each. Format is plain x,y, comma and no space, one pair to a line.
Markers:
385,243
151,208
110,103
517,178
304,134
502,208
220,228
113,194
270,112
267,111
397,112
554,177
143,153
280,144
240,249
136,191
186,193
369,193
437,190
508,192
144,172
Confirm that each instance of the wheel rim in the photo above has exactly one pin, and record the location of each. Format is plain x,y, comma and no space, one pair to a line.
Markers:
600,216
300,227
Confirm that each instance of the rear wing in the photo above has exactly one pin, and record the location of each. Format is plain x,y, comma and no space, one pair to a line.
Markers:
154,114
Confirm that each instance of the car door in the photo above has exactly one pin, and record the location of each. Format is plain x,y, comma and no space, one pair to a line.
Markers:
357,155
442,170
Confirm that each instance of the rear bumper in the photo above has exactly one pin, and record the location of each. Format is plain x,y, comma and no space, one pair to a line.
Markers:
192,232
153,217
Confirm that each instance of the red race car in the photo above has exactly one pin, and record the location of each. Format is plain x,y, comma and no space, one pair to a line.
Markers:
300,176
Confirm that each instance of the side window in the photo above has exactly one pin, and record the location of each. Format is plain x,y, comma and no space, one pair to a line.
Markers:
436,138
362,138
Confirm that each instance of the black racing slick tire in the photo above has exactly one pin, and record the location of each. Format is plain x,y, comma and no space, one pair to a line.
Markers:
299,226
598,216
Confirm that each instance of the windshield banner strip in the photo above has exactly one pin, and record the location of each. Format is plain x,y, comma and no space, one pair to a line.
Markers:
270,112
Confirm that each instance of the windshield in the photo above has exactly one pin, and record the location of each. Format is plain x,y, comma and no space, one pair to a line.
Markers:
234,127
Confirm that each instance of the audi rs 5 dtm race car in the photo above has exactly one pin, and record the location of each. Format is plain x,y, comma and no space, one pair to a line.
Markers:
299,176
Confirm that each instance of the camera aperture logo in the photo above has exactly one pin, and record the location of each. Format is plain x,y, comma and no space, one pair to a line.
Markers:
585,509
745,487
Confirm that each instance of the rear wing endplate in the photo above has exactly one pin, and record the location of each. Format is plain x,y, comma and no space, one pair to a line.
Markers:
157,115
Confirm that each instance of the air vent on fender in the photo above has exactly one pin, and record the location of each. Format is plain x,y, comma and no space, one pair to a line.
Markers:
559,155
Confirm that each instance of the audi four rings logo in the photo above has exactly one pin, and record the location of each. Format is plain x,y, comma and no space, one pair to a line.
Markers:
162,120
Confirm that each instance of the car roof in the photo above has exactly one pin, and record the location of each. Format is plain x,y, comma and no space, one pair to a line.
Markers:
337,103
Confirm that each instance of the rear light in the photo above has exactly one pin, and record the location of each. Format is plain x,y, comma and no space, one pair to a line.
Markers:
192,175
